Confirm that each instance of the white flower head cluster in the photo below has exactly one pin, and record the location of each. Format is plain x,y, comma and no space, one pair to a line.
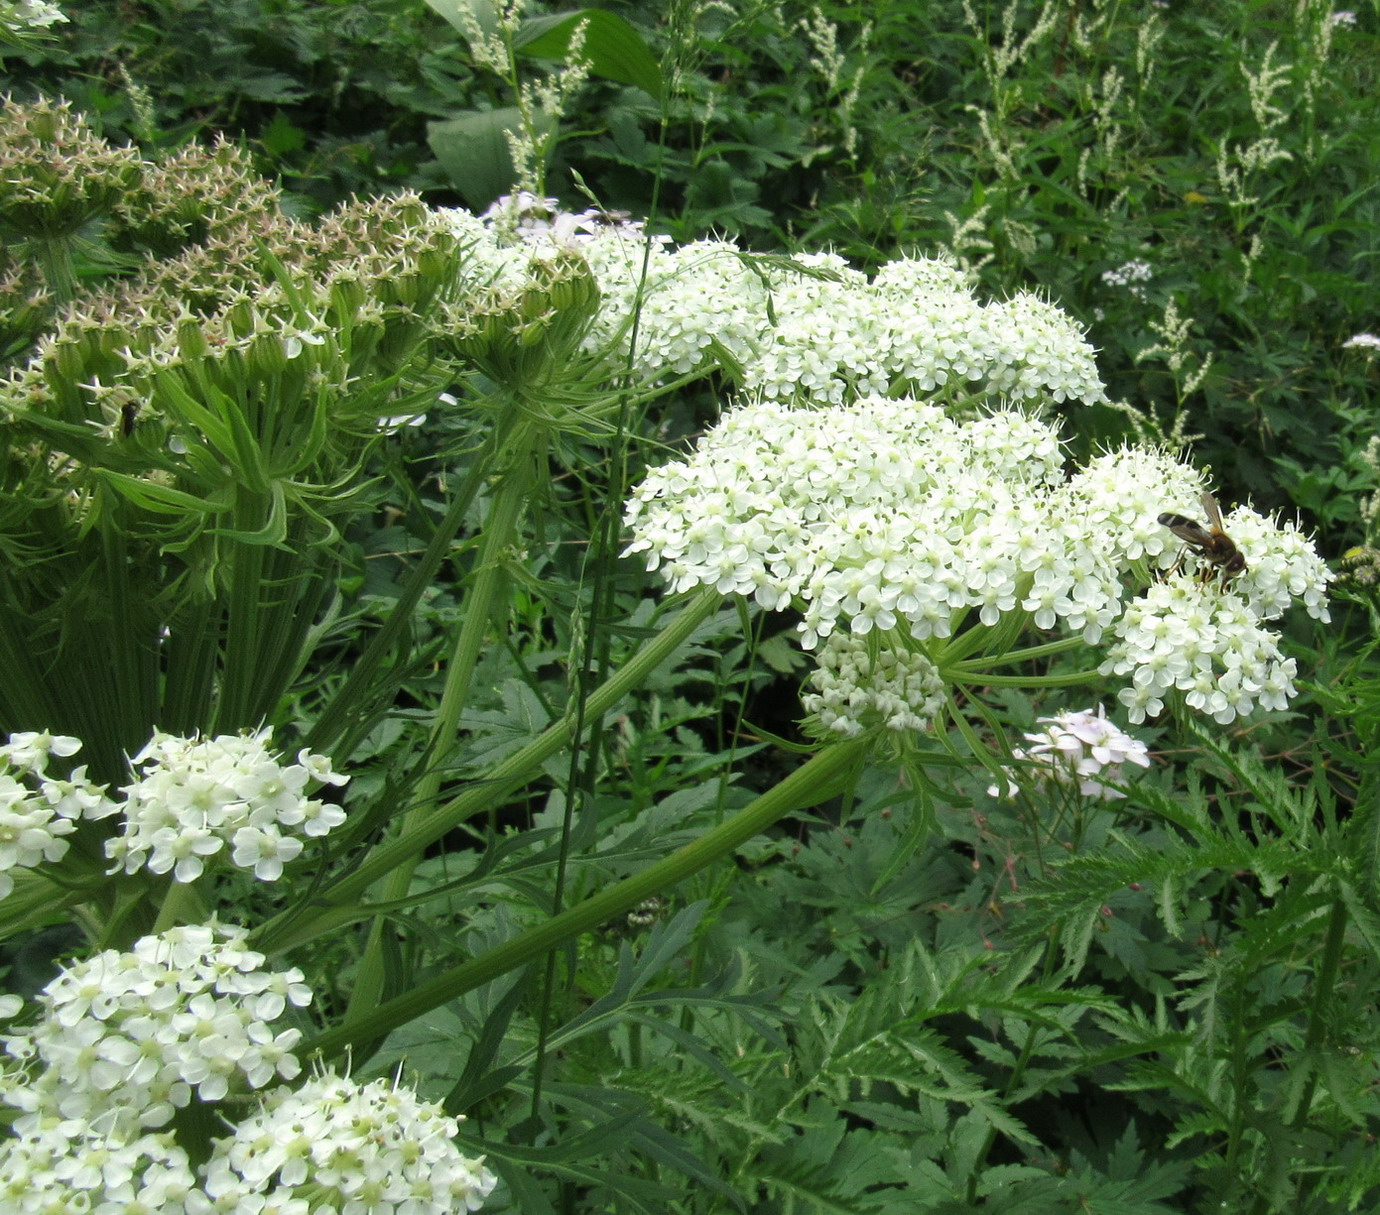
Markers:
1186,635
1082,750
197,797
700,307
1133,276
37,810
64,1167
524,216
1128,274
21,16
335,1147
1190,634
804,329
811,329
858,686
124,1039
1362,341
887,515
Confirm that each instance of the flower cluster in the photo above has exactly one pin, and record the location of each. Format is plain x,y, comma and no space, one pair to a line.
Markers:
21,18
56,173
61,1166
198,797
524,216
1082,750
38,810
887,515
810,328
1133,275
802,328
700,306
1134,271
125,1039
347,1147
1188,636
857,686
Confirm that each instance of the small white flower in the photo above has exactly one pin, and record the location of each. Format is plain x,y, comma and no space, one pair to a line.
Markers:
37,811
1082,749
1362,341
21,15
124,1039
29,750
350,1147
198,798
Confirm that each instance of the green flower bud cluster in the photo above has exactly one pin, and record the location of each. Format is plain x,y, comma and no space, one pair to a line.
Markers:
194,194
56,174
25,303
528,325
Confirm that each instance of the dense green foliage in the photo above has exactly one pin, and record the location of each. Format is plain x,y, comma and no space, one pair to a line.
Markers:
912,996
1228,148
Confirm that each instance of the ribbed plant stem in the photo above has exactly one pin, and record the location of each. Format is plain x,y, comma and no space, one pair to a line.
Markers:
804,787
480,608
514,772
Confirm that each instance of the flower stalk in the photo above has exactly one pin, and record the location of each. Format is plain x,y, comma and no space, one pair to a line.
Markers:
289,929
482,611
809,784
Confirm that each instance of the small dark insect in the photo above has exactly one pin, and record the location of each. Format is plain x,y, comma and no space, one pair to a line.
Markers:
1214,547
129,415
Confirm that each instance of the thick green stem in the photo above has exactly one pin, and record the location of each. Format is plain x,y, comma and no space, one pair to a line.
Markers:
805,787
1012,657
354,697
519,768
985,679
480,606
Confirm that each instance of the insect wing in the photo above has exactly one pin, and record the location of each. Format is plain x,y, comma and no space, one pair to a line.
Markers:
1188,530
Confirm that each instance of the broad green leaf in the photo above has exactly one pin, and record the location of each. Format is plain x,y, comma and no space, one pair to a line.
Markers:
473,150
483,11
614,49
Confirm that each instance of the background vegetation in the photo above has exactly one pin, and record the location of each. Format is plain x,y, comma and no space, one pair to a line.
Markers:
914,997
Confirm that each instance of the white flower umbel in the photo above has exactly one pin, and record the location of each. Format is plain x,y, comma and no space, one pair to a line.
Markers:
954,538
124,1039
811,328
37,811
337,1145
67,1166
199,797
1079,749
1191,636
698,308
21,16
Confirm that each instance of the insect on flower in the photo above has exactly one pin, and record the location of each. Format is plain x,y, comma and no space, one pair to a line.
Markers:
1213,546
